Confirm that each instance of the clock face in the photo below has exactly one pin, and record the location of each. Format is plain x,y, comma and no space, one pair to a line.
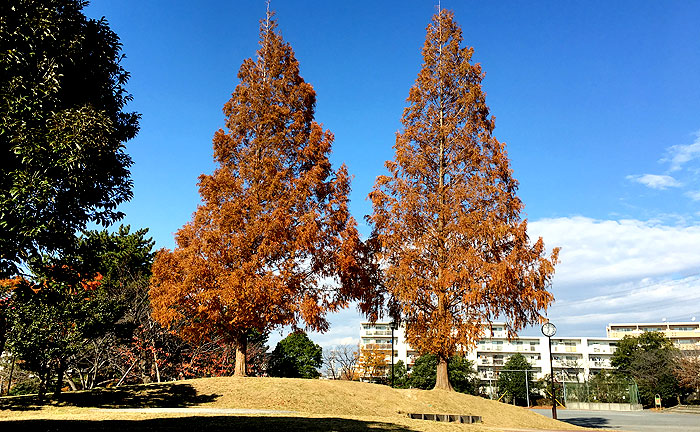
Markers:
548,329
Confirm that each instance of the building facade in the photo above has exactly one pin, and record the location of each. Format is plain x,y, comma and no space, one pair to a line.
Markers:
684,335
573,358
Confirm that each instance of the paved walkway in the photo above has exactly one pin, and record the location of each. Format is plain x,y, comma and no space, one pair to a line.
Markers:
197,410
633,421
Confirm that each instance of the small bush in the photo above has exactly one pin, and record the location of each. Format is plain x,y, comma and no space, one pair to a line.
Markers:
30,386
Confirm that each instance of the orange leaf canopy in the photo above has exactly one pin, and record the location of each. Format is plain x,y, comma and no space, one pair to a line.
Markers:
447,219
273,242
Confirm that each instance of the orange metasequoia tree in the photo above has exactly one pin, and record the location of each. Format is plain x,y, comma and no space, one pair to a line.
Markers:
453,248
273,242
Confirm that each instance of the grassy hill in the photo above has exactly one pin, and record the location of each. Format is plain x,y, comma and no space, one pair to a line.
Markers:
314,405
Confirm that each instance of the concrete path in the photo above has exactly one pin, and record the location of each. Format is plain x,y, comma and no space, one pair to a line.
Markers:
635,421
197,410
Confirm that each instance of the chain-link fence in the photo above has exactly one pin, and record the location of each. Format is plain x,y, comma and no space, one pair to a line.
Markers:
618,391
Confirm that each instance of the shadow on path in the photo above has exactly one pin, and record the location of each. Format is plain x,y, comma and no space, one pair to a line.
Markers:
149,396
588,422
214,423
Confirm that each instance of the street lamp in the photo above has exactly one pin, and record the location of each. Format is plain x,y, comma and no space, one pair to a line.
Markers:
393,327
549,330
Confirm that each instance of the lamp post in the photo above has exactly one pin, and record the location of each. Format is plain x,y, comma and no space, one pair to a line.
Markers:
549,330
393,327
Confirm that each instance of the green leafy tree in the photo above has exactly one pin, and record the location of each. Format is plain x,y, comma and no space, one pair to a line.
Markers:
70,318
460,371
608,387
513,383
295,356
62,127
52,319
649,360
398,375
124,260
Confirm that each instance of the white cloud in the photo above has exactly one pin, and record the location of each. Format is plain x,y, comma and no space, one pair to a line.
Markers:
344,330
610,271
610,251
655,181
678,155
694,195
621,271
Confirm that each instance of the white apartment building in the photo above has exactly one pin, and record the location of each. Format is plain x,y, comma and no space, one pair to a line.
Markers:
573,358
684,335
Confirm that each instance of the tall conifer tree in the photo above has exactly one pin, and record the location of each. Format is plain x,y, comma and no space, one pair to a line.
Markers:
273,242
454,249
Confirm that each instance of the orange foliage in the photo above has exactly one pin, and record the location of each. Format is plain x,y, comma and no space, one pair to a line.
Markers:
6,288
273,242
447,219
373,363
11,284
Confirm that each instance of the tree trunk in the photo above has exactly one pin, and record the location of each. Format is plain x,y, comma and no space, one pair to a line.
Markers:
126,373
442,380
145,369
71,383
43,377
9,379
241,347
59,380
3,333
155,362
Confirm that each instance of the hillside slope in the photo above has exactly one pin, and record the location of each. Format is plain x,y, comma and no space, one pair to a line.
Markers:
299,398
348,398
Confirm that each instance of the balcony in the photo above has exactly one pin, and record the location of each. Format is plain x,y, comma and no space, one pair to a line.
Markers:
562,349
377,346
682,333
378,332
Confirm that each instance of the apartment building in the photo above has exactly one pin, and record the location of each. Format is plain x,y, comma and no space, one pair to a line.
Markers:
684,335
573,358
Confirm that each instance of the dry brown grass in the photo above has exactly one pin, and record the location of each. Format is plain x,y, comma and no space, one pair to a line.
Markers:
317,405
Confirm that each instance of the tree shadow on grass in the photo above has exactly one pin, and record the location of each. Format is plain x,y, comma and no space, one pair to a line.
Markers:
588,422
169,395
207,423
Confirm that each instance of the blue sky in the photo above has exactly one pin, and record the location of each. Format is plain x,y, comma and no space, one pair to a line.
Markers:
598,102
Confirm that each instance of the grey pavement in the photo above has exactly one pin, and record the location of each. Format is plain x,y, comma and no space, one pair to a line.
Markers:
634,421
